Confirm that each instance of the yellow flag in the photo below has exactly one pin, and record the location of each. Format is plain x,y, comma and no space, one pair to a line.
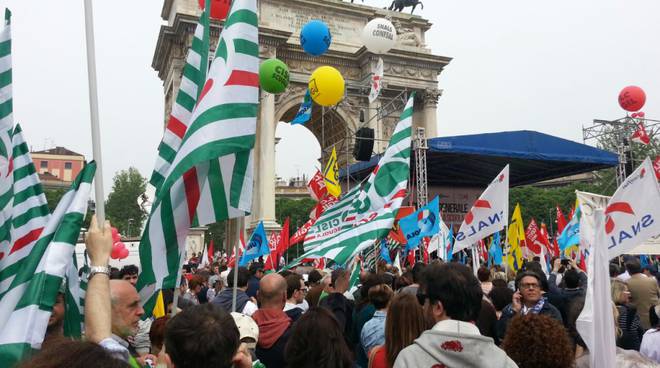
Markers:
331,175
159,308
516,237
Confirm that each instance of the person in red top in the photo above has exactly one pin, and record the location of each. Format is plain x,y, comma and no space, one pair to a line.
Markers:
274,324
405,322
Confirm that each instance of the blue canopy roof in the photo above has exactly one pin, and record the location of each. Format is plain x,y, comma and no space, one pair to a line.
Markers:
473,160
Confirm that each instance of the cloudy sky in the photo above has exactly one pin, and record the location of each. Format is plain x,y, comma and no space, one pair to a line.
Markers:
549,66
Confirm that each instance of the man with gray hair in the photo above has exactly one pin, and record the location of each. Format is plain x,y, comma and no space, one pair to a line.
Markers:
126,311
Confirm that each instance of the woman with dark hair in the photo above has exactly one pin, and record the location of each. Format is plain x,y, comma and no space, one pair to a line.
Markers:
317,341
527,342
628,323
405,322
73,354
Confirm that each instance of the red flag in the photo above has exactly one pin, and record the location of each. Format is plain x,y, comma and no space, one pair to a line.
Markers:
232,260
656,167
325,203
425,247
550,249
320,263
561,220
211,252
640,135
532,234
411,257
301,232
317,187
270,263
396,234
483,250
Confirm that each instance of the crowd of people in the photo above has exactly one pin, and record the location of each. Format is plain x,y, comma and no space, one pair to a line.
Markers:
429,315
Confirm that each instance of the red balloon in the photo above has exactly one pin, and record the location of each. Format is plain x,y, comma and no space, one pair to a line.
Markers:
632,98
115,234
115,250
123,253
219,8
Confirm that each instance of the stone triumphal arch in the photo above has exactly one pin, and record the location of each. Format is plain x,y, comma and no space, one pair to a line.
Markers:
410,66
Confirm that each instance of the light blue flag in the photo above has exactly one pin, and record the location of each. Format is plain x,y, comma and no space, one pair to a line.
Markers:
571,233
450,244
305,111
422,223
385,252
495,251
256,247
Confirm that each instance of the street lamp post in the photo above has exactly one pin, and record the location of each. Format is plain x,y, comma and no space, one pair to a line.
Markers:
128,230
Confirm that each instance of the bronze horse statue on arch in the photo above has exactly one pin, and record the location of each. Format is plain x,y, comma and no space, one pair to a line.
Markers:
398,5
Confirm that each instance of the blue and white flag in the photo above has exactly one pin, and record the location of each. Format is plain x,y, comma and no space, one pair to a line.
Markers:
422,223
256,247
385,252
305,111
571,234
495,251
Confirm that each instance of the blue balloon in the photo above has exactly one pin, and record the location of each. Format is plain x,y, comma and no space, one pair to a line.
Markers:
315,37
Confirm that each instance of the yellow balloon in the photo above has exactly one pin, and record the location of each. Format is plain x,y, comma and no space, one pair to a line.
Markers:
326,86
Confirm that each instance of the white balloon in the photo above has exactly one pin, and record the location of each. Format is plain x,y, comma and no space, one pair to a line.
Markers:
379,36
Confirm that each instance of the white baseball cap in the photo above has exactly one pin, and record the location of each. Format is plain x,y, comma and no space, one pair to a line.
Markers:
247,328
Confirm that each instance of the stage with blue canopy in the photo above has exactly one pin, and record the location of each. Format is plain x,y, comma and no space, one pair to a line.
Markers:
474,160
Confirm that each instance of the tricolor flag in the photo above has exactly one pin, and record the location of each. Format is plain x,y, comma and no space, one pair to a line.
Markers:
488,214
27,302
376,81
210,177
367,212
331,175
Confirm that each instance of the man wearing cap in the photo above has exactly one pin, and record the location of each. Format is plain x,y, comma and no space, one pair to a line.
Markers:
527,299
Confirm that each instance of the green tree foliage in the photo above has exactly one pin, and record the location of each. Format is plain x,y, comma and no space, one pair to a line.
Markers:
296,209
122,204
216,232
540,203
53,197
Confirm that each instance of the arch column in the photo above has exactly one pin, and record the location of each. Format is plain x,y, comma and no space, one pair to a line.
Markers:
429,112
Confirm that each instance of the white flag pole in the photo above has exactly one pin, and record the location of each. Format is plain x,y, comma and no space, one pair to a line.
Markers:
94,111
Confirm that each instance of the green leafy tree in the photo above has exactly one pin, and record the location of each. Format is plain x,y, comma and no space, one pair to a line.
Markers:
298,212
53,197
122,208
216,232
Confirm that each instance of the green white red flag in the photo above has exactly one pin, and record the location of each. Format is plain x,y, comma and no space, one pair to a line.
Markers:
215,152
367,212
